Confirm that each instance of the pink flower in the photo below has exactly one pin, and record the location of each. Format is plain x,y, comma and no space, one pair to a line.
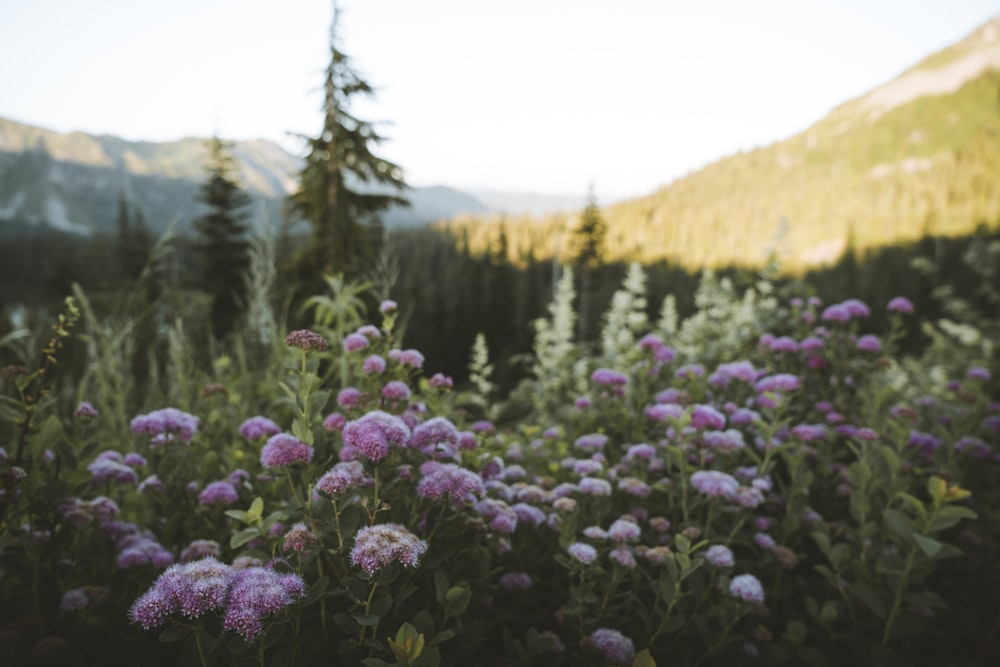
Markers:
305,340
374,433
283,450
900,305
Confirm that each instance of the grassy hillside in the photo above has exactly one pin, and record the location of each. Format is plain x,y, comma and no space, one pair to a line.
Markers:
918,155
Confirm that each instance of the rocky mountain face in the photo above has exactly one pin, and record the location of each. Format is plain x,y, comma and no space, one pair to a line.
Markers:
73,182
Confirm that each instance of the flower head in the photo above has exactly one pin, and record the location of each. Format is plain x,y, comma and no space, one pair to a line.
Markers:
373,364
900,305
582,552
283,450
714,483
85,411
719,555
255,594
305,340
613,645
166,425
377,546
218,493
257,427
373,434
747,587
355,341
608,377
299,539
448,479
341,477
396,390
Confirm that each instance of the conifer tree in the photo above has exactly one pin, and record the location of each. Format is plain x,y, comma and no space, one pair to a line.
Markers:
223,240
343,185
133,240
586,254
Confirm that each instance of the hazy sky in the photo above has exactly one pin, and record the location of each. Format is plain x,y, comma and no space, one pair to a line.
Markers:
521,95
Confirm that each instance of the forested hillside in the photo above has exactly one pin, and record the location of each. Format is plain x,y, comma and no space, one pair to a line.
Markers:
919,155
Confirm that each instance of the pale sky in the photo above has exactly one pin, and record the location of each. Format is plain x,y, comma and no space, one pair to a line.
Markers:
540,96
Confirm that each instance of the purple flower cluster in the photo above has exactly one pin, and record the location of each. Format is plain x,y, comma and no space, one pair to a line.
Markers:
582,552
608,378
218,493
719,555
166,425
434,434
257,427
900,304
447,479
348,397
706,416
109,466
142,548
341,477
373,364
299,539
396,390
245,596
377,546
729,440
440,381
354,342
411,358
305,340
373,434
85,411
592,442
515,581
714,483
613,645
199,549
780,382
624,530
747,587
283,450
256,594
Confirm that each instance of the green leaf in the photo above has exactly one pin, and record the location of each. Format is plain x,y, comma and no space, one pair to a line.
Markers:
301,431
457,600
898,523
643,659
914,503
408,644
256,510
239,515
242,537
861,474
928,545
367,620
937,488
440,586
949,515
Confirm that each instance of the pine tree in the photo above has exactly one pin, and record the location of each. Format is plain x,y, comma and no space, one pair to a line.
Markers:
586,249
343,185
223,241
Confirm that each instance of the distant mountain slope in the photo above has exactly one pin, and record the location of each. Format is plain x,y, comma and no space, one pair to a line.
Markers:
918,154
72,181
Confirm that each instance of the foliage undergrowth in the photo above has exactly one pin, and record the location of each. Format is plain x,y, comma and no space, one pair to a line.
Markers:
761,483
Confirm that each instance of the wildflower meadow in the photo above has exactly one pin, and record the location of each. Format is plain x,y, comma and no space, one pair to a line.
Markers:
767,482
